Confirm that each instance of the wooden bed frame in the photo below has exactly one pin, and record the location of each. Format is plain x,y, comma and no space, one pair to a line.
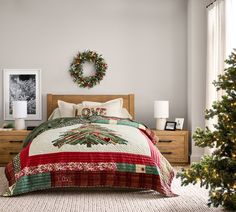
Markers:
53,98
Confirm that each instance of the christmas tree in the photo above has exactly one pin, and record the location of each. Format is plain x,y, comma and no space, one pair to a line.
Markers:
218,171
89,134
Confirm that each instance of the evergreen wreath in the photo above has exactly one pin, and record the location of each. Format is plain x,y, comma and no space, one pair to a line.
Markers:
76,68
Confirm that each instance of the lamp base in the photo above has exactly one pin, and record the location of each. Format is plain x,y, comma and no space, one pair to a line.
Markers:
160,123
19,124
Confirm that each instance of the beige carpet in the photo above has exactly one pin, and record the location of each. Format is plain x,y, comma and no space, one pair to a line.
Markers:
191,198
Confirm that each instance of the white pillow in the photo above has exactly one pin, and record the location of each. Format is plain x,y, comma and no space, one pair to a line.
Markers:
66,109
114,102
55,114
125,114
114,107
85,111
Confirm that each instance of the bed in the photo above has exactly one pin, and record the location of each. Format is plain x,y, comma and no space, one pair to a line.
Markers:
89,151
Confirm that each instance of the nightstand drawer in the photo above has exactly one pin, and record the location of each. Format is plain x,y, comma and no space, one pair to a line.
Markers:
173,154
173,145
12,146
170,141
11,143
12,139
7,158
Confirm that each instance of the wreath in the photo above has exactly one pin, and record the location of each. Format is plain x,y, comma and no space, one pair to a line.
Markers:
76,69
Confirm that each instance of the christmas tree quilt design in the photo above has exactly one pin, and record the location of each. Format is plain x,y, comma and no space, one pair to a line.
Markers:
89,134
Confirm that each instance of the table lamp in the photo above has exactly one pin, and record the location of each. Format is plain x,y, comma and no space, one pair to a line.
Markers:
19,114
161,113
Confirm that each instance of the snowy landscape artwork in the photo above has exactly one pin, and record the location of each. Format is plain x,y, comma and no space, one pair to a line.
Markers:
22,85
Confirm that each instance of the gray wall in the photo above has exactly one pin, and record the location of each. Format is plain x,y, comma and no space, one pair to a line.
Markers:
143,41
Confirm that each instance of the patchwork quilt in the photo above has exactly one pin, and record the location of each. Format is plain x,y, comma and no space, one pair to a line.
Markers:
89,152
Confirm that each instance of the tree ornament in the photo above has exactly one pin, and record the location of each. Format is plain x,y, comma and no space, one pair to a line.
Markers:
76,69
218,171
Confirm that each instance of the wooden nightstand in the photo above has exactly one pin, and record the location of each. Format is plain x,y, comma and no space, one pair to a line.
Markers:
11,144
173,145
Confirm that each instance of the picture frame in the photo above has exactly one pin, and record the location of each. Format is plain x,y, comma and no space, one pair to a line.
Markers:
179,123
22,84
170,125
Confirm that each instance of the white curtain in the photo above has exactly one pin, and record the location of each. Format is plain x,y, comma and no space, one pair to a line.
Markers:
230,26
216,51
221,39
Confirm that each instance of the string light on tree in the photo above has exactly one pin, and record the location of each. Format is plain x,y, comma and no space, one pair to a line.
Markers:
218,171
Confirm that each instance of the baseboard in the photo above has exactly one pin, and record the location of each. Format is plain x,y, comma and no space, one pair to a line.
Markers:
195,158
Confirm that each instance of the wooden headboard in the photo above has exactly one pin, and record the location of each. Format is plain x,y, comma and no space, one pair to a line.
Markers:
53,98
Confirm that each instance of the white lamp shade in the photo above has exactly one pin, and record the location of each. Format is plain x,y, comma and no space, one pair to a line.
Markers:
19,109
161,109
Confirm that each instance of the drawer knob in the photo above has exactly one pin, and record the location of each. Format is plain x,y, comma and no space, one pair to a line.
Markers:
166,153
13,153
165,141
16,141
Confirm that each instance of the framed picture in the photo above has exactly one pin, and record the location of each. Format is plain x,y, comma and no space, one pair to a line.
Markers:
22,84
170,125
179,123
